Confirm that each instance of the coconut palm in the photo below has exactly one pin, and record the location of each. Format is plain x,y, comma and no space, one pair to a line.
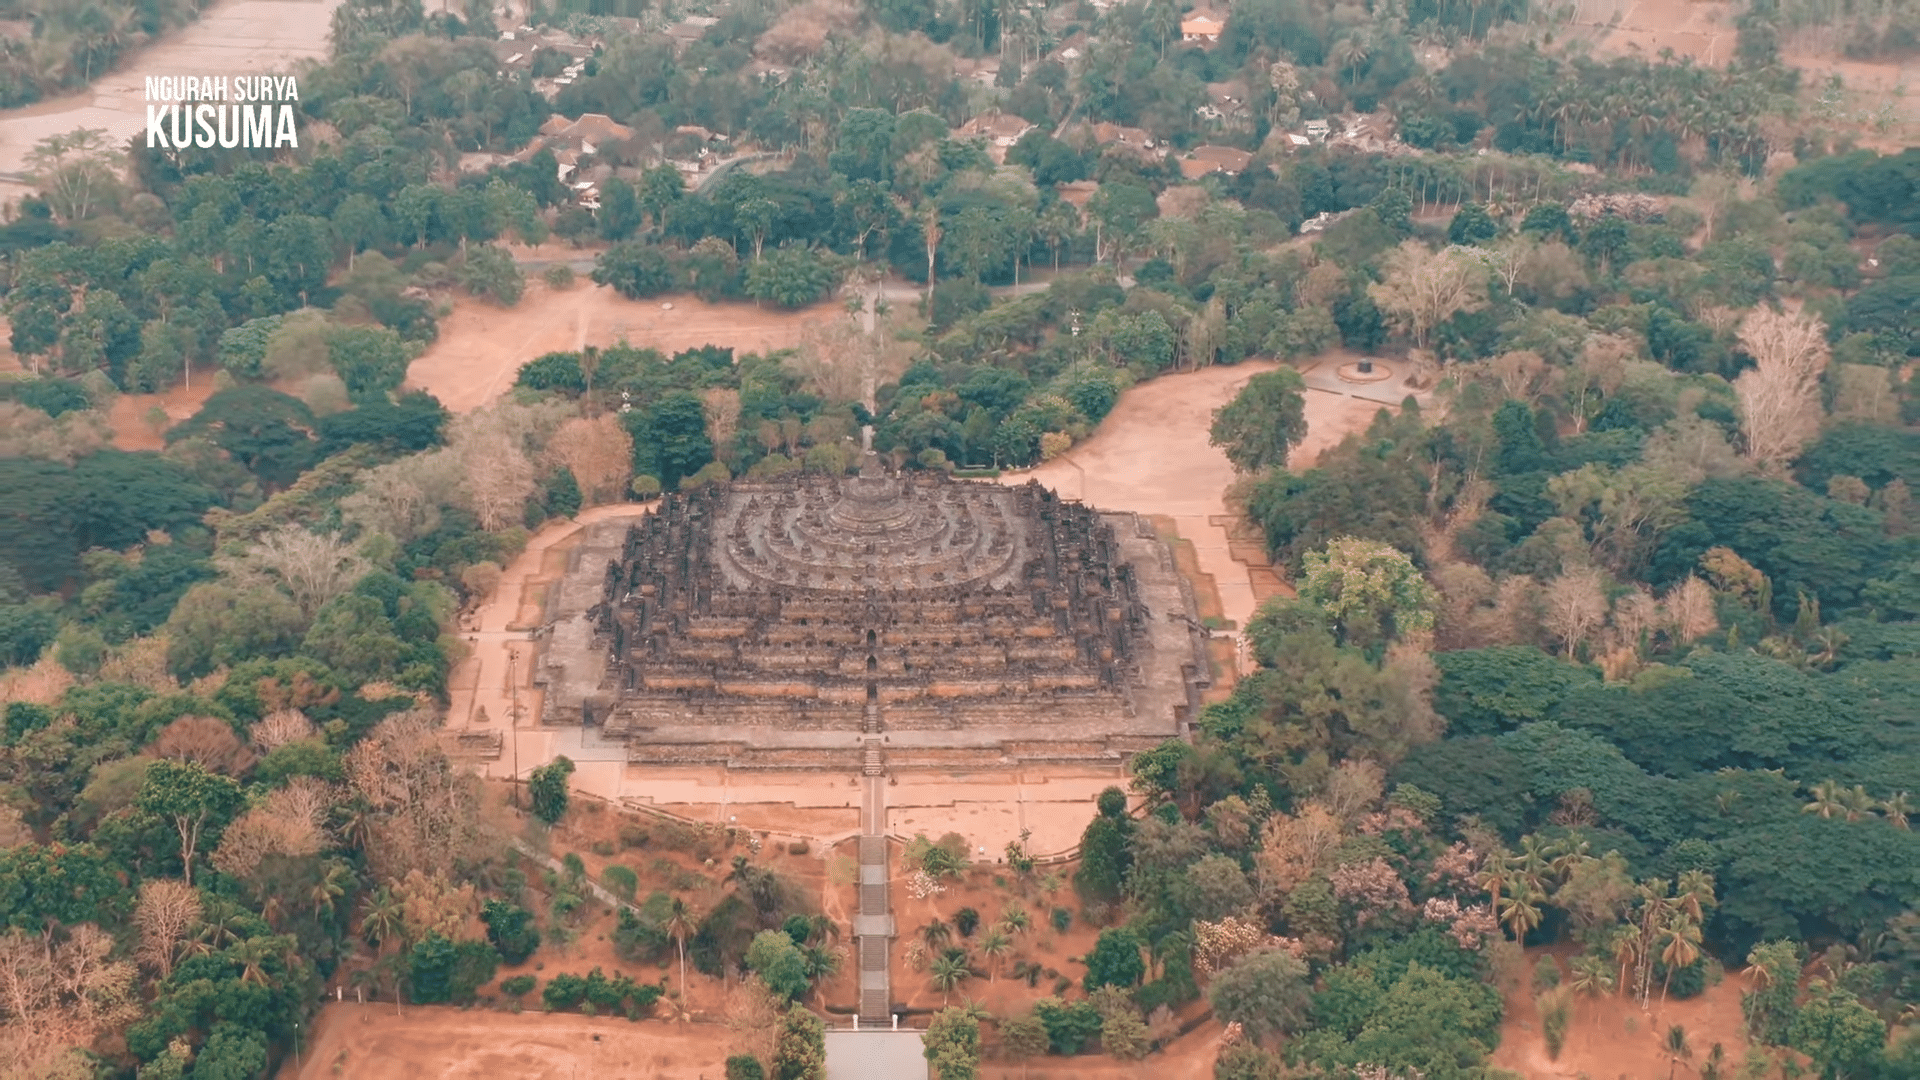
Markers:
1016,920
1521,912
1693,894
936,933
995,944
1592,975
382,918
949,971
252,955
1826,800
1856,804
1681,947
679,924
1896,808
331,887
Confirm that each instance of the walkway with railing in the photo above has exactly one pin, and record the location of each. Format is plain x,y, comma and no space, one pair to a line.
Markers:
873,926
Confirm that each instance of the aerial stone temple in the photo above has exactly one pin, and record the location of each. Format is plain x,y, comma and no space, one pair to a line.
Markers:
775,624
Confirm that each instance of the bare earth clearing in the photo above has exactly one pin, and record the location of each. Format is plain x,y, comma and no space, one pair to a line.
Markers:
1611,1038
1151,456
243,37
482,347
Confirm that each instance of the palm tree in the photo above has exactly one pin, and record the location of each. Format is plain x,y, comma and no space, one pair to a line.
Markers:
1682,947
1859,805
251,955
382,918
995,944
1826,800
1016,920
1521,912
949,971
1347,54
936,933
1626,951
220,926
331,887
1592,975
678,925
1896,808
1694,894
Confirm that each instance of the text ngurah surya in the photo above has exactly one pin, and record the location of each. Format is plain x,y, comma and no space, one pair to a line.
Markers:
244,111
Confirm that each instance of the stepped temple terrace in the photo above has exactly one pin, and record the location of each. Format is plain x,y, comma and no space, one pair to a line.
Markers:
822,622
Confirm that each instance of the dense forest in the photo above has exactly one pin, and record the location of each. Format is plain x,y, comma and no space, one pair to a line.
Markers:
1611,642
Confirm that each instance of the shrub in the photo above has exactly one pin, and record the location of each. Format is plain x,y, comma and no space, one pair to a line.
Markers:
510,929
798,847
564,991
1062,918
519,986
620,881
558,276
1546,974
745,1067
1069,1026
966,920
1555,1011
633,836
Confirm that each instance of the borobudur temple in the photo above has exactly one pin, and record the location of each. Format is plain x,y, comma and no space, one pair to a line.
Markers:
778,623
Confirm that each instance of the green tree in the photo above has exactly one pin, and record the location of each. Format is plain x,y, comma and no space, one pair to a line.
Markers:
489,273
620,213
192,800
792,276
634,270
779,962
1266,992
1842,1036
745,1067
267,433
800,1048
1472,224
547,787
1369,592
1115,960
660,188
511,930
1263,422
670,438
371,360
952,1044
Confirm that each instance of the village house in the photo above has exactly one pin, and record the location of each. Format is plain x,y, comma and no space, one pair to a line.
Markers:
1200,28
1119,137
572,140
999,130
1202,160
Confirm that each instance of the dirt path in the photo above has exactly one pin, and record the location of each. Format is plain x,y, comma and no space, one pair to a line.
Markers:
480,694
481,347
236,37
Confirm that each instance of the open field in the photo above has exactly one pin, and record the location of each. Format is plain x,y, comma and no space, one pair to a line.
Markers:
481,347
238,37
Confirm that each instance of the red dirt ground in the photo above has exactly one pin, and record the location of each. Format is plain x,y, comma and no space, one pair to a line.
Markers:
481,346
1610,1038
128,416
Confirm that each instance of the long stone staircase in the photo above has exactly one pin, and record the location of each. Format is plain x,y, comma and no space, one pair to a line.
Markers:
873,926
